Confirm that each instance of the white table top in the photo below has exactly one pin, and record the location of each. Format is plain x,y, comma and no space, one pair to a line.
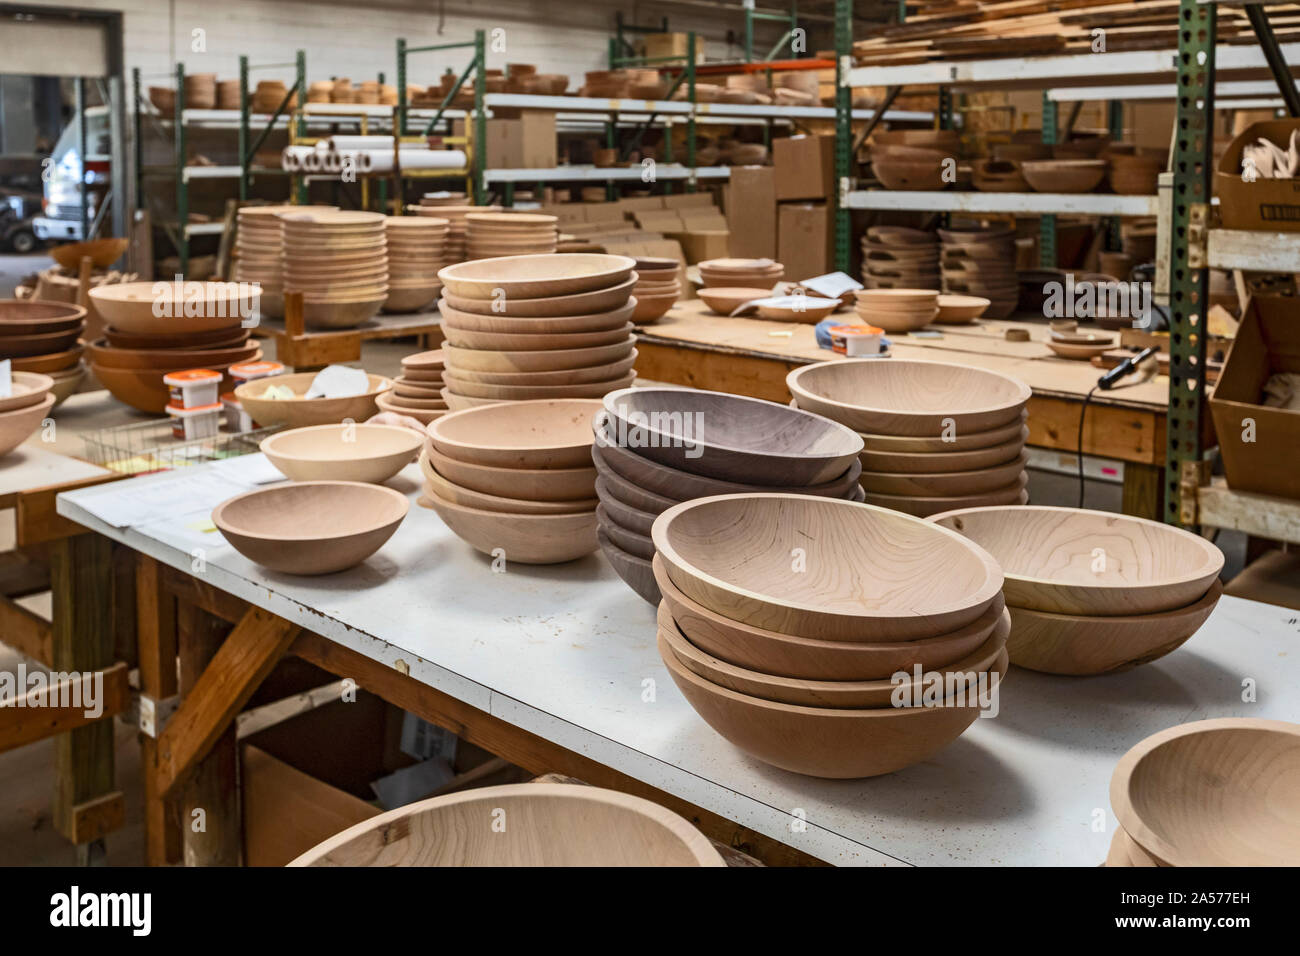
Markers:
31,466
563,652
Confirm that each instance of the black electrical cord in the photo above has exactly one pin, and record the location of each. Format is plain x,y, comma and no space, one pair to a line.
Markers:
1082,413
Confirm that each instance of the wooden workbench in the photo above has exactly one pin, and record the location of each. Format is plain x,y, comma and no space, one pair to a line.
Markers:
692,346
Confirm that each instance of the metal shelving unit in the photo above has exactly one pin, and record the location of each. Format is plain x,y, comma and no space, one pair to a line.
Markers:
475,126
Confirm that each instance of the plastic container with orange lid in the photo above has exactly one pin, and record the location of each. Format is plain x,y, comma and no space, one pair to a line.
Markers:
192,388
237,420
249,371
202,421
856,340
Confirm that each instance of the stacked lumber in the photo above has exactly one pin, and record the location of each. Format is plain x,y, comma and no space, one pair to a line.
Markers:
988,29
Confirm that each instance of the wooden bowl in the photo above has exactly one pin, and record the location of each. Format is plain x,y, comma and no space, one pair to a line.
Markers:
41,343
625,514
17,424
307,411
823,741
144,389
550,824
967,482
960,309
809,657
1052,562
351,452
410,299
1064,175
28,388
532,341
423,412
427,361
677,483
929,463
1079,351
898,321
538,276
311,527
730,437
631,494
166,308
923,506
536,484
638,545
602,299
460,495
724,300
588,375
1213,793
37,317
463,361
907,397
651,309
871,574
49,363
635,571
472,389
525,538
531,435
881,692
168,360
596,322
103,253
909,174
214,339
1084,644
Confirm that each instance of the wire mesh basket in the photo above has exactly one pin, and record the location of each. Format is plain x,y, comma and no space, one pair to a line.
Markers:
151,446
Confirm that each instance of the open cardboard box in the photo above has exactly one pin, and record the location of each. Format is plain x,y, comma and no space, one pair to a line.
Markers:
1265,203
1258,442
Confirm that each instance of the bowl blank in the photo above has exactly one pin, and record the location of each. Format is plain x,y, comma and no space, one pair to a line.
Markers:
352,452
530,341
468,497
150,308
923,506
536,276
18,424
525,538
538,484
969,482
554,433
942,462
595,322
307,411
598,300
463,361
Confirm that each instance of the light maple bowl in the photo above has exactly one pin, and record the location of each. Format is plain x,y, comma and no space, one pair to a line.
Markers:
562,377
601,299
153,308
947,443
730,437
904,397
1219,792
961,482
351,452
532,435
1078,644
533,341
460,495
923,506
169,360
301,411
809,657
525,538
1076,561
864,573
537,484
835,743
536,276
472,389
550,824
18,424
880,692
615,318
465,360
723,300
921,462
311,527
28,388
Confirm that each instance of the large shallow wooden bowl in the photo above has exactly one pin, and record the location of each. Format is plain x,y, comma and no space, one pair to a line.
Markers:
536,276
923,506
169,360
30,388
464,361
153,308
307,411
50,363
526,538
493,392
823,741
941,462
311,527
144,389
634,543
564,379
967,482
633,569
595,322
37,317
1081,644
463,338
532,435
630,493
627,515
601,299
548,824
1218,792
460,495
820,566
19,423
38,343
730,437
103,253
1074,561
353,452
809,657
679,484
538,484
188,341
910,398
881,692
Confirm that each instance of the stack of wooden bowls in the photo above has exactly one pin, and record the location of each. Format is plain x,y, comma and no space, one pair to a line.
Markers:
515,479
898,310
40,336
1091,591
227,94
24,409
657,288
457,228
657,447
1211,793
758,273
417,249
898,257
200,91
820,666
937,436
913,159
259,253
533,327
494,234
1069,343
338,260
417,392
158,328
981,261
268,96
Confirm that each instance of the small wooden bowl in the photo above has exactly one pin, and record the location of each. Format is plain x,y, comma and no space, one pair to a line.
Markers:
429,360
469,498
537,484
724,300
352,452
541,276
1079,644
822,741
602,299
1213,793
635,571
50,363
1064,175
596,322
423,411
871,574
1075,561
17,424
311,527
523,538
542,434
307,411
26,388
960,309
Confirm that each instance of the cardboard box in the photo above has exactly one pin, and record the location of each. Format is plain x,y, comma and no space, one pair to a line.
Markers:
1257,442
679,200
751,212
701,245
1264,203
805,167
653,46
526,142
805,240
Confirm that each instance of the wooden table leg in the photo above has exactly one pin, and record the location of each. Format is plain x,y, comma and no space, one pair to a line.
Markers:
156,644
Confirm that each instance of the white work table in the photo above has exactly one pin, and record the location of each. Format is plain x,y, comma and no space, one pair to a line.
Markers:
565,651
